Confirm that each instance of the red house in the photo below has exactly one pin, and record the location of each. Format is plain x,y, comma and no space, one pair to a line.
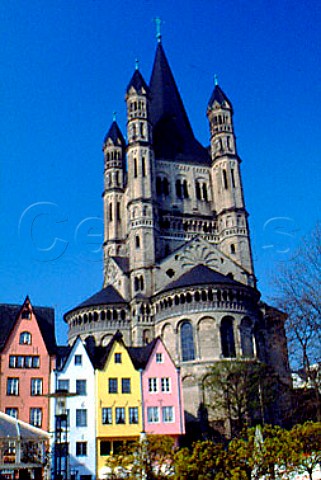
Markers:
27,355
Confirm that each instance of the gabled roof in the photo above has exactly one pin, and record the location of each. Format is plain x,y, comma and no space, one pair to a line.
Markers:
115,135
173,135
102,353
141,355
138,83
106,296
201,275
46,321
11,428
219,96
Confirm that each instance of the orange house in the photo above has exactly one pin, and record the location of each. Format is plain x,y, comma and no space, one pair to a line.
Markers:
27,356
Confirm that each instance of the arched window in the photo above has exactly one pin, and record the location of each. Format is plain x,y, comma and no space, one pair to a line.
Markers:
227,338
25,338
187,342
247,338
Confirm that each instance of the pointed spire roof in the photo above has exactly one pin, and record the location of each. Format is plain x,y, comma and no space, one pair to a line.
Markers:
115,135
173,135
138,83
219,96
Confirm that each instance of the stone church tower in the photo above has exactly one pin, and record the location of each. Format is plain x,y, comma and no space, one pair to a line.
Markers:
177,250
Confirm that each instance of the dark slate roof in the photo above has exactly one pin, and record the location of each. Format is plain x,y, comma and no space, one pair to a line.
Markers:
218,96
101,353
13,428
63,352
138,83
140,355
172,132
123,263
106,296
114,133
201,275
45,317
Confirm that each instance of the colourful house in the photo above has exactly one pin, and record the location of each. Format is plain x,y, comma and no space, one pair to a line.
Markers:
27,354
162,401
73,385
118,400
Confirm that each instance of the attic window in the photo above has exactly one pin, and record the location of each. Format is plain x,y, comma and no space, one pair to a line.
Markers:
170,273
159,358
117,357
78,360
25,338
25,315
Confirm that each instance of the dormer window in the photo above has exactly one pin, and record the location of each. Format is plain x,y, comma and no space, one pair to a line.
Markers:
25,315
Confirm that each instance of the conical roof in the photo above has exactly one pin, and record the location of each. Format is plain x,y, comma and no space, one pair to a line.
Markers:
106,296
115,135
138,83
219,96
172,132
201,275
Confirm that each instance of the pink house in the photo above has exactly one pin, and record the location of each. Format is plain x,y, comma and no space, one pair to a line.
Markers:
162,400
27,354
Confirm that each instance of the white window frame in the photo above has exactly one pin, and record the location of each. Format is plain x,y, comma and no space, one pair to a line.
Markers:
168,414
165,384
153,385
153,414
36,386
36,416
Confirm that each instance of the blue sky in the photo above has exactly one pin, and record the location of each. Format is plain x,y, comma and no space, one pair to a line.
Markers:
65,65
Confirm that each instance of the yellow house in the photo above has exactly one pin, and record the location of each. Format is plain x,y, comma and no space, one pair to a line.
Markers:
118,394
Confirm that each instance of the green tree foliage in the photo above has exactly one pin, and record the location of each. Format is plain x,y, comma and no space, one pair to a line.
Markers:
241,391
149,458
306,445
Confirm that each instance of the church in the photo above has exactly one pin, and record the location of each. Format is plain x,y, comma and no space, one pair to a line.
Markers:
177,247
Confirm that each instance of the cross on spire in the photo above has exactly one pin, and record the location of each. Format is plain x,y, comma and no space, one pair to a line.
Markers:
158,23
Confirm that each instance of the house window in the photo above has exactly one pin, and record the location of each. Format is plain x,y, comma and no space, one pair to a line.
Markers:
152,385
107,416
78,359
120,415
35,417
81,417
81,449
25,338
117,357
166,385
81,387
159,358
13,412
187,342
167,414
125,385
63,385
35,362
25,315
133,415
112,385
36,386
105,448
13,386
153,414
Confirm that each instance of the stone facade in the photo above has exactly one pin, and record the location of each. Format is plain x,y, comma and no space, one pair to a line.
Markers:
177,251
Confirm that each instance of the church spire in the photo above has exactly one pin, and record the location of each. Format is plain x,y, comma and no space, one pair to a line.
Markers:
173,134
